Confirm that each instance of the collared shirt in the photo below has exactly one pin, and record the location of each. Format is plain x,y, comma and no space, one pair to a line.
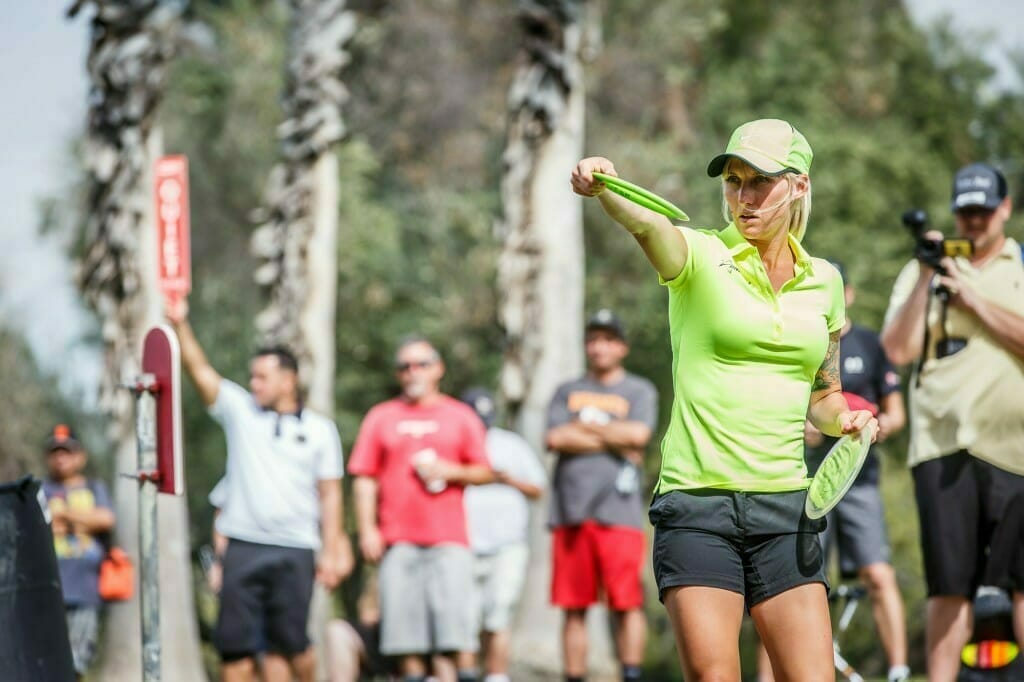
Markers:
974,399
744,360
274,464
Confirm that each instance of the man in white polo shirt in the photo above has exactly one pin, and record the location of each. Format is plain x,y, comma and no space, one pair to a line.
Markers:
284,519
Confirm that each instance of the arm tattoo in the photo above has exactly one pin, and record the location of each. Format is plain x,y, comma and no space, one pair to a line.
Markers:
828,373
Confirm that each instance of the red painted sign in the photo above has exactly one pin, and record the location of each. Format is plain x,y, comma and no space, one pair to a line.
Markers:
174,262
161,357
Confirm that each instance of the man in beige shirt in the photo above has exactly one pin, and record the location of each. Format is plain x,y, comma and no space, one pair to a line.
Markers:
962,320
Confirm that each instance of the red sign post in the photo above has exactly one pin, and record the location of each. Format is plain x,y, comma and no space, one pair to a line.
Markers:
161,359
174,262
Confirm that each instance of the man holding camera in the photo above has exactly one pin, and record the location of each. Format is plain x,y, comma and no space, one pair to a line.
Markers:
962,318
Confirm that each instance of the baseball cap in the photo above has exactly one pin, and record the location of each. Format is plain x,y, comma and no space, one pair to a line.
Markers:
838,265
482,402
978,184
606,319
771,146
62,438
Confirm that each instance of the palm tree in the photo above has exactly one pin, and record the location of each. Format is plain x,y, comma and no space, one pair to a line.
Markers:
296,244
540,269
131,44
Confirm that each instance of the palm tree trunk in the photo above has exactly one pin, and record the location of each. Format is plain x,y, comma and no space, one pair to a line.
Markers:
297,239
131,45
540,277
297,242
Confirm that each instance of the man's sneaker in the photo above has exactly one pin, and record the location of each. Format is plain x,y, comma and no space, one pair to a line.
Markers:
899,673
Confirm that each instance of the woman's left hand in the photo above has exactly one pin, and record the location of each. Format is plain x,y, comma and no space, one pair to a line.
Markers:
855,421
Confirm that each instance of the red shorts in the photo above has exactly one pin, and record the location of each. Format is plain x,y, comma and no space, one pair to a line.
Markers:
591,557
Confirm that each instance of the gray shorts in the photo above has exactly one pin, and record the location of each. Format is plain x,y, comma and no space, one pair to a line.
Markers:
499,583
858,522
426,602
83,633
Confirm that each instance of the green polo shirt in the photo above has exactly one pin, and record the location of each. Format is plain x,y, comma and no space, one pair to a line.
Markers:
743,362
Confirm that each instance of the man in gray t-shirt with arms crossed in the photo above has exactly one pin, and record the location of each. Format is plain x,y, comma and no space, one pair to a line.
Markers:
599,426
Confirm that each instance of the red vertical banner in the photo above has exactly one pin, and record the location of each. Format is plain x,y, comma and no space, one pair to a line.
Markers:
170,192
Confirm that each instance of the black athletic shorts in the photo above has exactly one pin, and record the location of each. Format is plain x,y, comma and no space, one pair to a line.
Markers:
264,600
756,544
971,527
375,664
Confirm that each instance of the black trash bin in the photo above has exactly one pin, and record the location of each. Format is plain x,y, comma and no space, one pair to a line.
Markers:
34,643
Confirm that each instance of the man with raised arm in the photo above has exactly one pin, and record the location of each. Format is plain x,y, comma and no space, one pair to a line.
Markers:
284,520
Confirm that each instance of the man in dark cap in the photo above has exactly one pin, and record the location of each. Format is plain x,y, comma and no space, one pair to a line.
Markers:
856,527
964,325
81,515
599,426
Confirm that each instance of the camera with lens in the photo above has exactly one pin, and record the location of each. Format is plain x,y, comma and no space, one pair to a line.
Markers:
932,251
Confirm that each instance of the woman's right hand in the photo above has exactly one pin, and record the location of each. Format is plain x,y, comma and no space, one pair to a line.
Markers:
583,181
663,244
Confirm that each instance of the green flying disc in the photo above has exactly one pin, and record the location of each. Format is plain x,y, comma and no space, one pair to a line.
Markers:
837,473
641,196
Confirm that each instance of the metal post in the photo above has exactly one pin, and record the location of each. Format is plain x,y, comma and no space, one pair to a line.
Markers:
145,432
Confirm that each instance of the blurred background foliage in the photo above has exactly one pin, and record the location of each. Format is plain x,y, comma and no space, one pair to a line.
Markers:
890,109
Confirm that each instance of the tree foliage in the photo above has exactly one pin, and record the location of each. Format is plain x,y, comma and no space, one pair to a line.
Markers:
32,405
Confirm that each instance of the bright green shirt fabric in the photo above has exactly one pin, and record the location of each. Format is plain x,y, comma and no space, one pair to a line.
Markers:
743,362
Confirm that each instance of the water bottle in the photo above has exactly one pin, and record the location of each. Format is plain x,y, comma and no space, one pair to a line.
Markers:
628,480
426,457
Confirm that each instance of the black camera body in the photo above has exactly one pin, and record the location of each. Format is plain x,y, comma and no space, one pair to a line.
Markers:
932,251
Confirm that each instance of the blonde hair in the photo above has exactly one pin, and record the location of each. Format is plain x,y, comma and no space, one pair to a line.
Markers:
799,208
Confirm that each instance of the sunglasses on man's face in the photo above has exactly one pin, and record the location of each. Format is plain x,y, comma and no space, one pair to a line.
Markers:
418,364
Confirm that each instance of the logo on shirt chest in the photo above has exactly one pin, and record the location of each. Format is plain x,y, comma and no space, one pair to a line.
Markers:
853,365
590,403
729,266
416,428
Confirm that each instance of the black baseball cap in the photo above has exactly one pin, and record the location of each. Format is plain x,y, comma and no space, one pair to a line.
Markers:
62,438
483,403
978,184
838,265
607,320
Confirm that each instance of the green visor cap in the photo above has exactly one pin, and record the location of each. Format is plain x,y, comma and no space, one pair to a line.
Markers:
769,145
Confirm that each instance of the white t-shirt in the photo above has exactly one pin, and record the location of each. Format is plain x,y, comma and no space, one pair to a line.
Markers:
497,514
218,497
274,464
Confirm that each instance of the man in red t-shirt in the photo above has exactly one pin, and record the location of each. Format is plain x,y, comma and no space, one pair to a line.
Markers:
411,460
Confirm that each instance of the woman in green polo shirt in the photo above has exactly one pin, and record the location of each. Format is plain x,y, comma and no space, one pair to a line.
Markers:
754,323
